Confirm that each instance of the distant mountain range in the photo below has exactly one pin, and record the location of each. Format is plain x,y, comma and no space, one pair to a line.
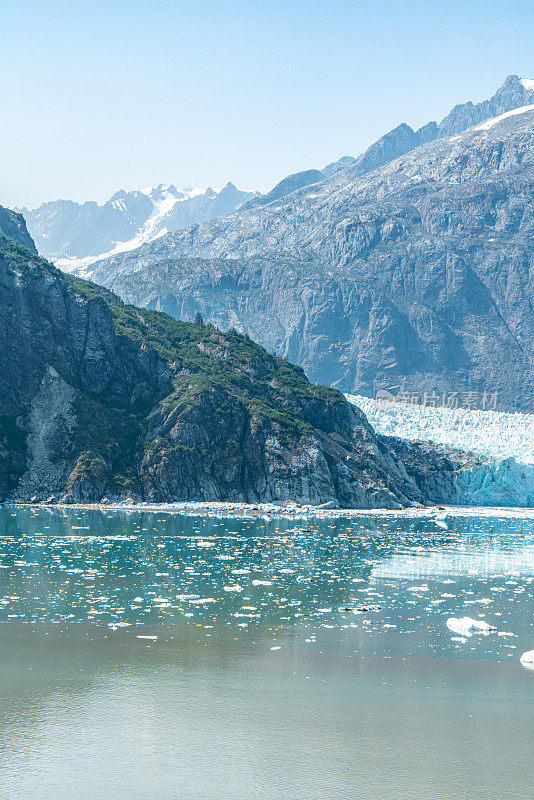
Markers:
75,235
409,268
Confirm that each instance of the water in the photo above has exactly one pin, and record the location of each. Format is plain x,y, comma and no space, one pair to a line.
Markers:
261,684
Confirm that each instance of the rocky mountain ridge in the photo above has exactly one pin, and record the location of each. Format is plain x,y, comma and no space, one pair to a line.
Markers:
417,275
514,93
75,235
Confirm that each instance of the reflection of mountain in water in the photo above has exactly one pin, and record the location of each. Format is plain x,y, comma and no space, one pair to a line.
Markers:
141,567
462,562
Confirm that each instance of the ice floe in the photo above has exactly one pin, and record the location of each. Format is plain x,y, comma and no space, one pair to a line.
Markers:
527,659
467,626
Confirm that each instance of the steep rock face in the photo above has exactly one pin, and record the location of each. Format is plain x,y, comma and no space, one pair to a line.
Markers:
396,143
13,225
418,275
448,476
99,399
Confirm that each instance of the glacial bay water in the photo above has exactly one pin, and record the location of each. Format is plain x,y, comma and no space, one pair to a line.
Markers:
155,656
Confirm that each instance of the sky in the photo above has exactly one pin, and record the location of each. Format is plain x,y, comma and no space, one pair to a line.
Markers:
99,95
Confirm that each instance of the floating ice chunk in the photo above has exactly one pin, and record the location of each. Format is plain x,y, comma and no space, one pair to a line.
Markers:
261,583
276,648
202,600
527,659
152,638
466,626
235,588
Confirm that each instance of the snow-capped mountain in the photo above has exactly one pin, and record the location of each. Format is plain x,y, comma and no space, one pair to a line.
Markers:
75,235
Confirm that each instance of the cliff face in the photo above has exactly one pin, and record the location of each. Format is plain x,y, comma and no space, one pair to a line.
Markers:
13,225
451,476
99,399
418,275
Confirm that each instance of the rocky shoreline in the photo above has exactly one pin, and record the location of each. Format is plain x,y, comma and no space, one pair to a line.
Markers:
288,510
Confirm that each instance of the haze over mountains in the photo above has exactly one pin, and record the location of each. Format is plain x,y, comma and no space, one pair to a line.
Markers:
409,267
100,400
415,273
75,235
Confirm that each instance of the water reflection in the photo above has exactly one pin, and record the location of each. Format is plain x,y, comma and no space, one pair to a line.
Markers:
266,678
128,569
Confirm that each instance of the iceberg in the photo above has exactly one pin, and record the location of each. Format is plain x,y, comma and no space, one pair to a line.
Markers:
466,626
527,659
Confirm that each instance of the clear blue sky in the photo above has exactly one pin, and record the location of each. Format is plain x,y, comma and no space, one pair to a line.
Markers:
126,93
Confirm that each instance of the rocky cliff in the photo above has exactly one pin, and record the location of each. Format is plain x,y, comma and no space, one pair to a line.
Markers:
13,226
102,400
446,475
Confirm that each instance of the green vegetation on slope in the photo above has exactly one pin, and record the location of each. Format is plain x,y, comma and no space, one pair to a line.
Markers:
210,359
226,375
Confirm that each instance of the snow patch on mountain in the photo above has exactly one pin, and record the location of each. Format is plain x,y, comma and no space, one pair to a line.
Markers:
76,236
165,198
490,123
528,84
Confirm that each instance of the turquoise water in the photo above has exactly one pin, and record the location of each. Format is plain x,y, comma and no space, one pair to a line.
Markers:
150,655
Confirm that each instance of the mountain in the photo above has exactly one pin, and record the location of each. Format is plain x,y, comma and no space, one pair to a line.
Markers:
100,399
75,235
285,187
416,276
514,93
13,226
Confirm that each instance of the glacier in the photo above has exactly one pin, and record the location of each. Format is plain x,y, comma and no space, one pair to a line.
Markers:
501,472
164,197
